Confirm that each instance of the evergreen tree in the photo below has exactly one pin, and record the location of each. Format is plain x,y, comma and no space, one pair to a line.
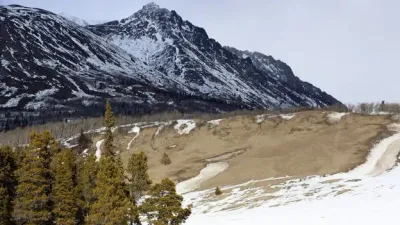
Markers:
218,191
63,189
32,205
86,182
164,206
5,206
112,205
165,160
109,122
8,182
139,181
83,142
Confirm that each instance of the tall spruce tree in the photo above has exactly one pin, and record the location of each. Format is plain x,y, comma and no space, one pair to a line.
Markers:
63,189
139,180
109,122
112,205
83,142
164,206
32,204
8,182
86,182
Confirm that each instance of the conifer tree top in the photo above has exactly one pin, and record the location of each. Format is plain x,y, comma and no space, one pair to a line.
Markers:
109,120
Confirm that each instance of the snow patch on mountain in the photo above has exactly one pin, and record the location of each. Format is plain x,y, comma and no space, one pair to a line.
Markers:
80,21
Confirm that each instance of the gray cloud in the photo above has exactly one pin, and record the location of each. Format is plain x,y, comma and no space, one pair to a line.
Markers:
350,49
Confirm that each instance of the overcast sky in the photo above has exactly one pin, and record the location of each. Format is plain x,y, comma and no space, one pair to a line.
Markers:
348,48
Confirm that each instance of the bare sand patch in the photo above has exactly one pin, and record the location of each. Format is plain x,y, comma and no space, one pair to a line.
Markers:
304,145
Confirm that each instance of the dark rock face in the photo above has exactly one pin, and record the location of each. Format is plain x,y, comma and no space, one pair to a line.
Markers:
150,61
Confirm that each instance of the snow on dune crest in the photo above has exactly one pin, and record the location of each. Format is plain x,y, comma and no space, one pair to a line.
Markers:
382,157
261,118
215,122
287,116
335,116
184,126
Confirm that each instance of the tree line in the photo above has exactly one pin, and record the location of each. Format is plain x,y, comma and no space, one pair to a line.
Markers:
43,183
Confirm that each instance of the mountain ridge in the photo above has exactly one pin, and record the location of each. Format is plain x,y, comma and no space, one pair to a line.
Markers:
150,61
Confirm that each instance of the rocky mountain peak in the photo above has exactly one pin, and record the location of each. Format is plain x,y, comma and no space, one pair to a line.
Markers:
151,6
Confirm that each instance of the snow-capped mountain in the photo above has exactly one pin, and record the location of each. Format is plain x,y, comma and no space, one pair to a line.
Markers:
75,19
152,60
47,59
80,21
185,53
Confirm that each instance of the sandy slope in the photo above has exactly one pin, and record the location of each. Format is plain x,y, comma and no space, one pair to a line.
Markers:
299,145
303,145
368,194
269,166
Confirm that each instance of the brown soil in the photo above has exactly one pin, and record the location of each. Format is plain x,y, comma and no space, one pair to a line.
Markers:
305,145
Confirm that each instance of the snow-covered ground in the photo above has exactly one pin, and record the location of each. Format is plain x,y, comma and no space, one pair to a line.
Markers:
369,194
207,173
136,130
335,116
287,116
262,117
98,149
184,126
215,122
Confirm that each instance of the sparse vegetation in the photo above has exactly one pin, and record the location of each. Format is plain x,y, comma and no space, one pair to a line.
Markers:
165,160
370,108
61,130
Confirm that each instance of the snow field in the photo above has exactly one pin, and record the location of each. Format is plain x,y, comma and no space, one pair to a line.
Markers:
188,125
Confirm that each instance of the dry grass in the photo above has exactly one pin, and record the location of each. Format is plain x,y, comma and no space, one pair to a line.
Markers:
68,128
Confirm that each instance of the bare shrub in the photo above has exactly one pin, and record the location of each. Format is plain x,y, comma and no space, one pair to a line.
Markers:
351,107
165,160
